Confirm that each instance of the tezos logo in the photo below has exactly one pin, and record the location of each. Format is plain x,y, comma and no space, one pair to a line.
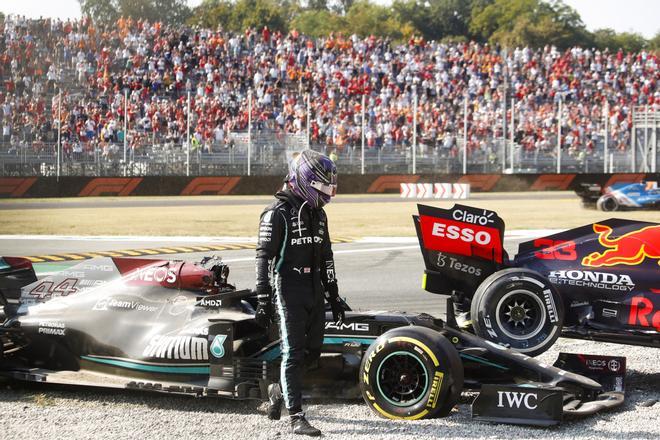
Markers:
218,347
514,399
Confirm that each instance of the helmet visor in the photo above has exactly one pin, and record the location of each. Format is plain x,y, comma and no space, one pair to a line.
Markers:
327,189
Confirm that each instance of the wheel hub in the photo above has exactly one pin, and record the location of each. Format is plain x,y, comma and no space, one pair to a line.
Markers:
518,314
402,379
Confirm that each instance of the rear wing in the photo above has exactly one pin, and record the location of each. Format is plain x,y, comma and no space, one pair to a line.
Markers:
461,246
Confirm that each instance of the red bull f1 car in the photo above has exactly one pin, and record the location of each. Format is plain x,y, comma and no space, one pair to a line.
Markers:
620,196
600,281
180,327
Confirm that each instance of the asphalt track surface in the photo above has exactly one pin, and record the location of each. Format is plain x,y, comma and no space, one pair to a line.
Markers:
376,276
384,275
154,202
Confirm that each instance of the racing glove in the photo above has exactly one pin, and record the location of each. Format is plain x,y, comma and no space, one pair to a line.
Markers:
264,313
332,296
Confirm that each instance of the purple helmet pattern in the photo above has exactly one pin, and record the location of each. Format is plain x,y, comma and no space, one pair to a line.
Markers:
313,177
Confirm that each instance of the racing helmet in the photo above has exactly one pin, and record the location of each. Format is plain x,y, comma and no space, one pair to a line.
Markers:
313,178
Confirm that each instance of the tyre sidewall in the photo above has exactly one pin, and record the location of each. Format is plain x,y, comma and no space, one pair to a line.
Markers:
440,382
492,296
608,204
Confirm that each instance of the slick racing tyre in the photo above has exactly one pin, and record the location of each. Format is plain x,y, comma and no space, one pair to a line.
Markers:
518,308
607,203
411,373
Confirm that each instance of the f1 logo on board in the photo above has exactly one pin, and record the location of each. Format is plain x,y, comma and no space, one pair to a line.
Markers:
461,238
514,399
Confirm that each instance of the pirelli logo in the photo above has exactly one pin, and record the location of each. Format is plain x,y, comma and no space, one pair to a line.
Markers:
155,251
210,186
110,186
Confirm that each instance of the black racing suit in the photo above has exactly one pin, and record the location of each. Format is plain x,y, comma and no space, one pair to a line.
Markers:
294,256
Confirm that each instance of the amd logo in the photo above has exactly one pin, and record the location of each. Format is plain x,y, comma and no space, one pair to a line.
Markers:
211,303
514,399
354,326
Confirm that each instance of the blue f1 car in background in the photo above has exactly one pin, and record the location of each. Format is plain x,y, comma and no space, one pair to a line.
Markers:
620,196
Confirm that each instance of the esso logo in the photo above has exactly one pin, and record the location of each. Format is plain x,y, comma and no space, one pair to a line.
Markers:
466,234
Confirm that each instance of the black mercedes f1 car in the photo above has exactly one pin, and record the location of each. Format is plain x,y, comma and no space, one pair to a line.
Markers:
179,327
600,281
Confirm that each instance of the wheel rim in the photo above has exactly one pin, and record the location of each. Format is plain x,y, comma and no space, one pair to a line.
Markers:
402,379
520,314
609,204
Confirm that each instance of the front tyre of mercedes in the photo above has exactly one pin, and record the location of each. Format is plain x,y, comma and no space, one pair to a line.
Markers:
518,308
411,373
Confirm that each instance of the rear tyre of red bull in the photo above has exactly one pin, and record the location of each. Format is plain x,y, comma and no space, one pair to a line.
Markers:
518,308
607,203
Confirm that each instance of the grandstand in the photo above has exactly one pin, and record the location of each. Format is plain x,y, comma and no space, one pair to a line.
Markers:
143,98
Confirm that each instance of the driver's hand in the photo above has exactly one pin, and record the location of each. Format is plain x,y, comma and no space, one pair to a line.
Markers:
338,313
264,314
265,310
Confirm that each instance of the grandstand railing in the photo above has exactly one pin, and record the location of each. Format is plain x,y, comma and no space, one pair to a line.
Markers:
269,155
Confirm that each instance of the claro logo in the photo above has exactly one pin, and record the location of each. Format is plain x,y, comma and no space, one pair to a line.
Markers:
515,399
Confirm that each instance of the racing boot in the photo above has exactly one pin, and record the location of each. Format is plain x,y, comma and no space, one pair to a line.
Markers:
274,401
300,425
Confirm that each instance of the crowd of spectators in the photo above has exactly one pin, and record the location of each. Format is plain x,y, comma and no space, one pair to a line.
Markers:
290,78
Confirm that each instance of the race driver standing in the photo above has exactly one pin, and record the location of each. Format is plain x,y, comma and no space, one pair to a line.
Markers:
296,275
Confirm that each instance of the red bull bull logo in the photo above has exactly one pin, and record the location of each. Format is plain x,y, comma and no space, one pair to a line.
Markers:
630,249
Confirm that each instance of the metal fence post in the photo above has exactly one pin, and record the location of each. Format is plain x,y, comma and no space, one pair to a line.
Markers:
125,126
309,115
633,143
512,130
414,139
503,155
606,122
465,121
645,160
249,151
559,136
125,121
363,126
59,133
188,138
655,142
